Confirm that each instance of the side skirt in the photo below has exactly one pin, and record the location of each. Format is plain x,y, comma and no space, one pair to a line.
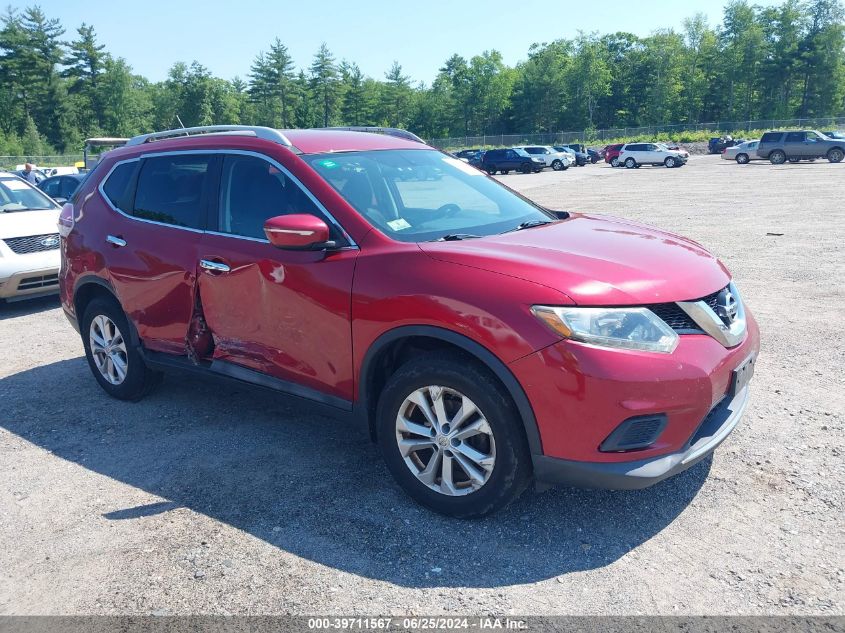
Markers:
168,362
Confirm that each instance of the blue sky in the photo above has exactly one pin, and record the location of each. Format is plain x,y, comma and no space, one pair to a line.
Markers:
225,36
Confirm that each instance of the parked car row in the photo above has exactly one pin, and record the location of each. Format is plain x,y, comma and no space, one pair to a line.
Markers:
634,155
529,158
779,147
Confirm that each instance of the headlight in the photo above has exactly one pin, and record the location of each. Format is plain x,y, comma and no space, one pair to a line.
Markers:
626,328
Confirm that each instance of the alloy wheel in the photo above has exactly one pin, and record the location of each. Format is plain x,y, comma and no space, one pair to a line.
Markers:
108,348
445,440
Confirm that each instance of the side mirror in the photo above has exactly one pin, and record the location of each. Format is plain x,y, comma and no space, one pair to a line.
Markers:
298,232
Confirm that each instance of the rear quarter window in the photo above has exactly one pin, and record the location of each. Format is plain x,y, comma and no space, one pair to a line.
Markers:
118,186
771,137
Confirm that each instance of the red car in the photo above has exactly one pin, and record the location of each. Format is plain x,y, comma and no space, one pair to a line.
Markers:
611,154
482,340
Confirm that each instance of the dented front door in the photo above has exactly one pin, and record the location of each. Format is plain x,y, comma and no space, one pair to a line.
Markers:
283,313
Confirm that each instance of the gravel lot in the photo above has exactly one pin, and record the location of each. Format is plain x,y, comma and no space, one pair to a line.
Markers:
214,498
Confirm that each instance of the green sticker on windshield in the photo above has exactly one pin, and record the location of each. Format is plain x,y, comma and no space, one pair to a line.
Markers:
328,164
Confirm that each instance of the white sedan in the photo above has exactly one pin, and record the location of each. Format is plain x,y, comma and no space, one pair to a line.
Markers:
742,153
29,240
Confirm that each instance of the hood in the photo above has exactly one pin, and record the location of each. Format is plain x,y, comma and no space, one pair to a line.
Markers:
595,261
26,223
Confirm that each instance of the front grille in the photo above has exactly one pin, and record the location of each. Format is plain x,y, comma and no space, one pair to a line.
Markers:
33,243
674,317
42,281
679,320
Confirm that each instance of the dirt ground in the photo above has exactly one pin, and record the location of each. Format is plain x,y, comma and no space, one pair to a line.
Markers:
214,498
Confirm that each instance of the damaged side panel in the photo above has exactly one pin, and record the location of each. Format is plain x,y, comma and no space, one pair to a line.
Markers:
285,314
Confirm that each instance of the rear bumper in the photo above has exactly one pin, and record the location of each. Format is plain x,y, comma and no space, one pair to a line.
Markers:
632,475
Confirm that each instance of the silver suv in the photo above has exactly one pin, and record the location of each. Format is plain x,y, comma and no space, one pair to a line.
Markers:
800,145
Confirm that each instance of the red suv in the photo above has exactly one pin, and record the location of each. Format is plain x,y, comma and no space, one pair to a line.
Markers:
611,154
483,340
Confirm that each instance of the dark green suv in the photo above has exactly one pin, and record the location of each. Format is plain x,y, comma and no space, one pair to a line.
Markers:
799,145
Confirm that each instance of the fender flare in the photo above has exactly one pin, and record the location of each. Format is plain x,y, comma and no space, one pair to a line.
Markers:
92,279
485,356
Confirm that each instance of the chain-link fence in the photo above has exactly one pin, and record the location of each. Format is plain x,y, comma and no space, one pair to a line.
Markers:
597,136
58,160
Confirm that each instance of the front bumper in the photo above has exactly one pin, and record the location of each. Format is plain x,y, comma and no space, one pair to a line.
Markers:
580,394
30,274
645,472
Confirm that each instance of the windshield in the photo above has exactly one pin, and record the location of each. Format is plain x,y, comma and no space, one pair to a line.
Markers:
16,195
423,195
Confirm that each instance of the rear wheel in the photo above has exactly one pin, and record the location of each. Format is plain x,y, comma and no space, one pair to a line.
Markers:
792,159
835,155
451,436
742,159
777,157
614,162
505,171
115,362
630,163
491,169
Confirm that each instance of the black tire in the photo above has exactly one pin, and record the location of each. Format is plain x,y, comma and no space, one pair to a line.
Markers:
525,168
742,159
777,157
630,163
835,155
511,471
505,172
794,160
557,164
491,169
139,379
670,162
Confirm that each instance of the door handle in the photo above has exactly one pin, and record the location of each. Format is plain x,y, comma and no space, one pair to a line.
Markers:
115,241
215,267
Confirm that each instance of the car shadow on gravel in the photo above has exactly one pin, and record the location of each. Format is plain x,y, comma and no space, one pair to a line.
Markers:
14,309
316,486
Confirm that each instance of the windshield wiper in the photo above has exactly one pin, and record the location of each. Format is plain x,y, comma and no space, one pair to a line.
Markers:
455,237
528,225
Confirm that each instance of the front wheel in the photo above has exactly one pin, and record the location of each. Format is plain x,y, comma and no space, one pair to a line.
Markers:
669,162
777,157
742,159
794,160
451,436
557,164
525,168
835,155
490,169
505,172
116,364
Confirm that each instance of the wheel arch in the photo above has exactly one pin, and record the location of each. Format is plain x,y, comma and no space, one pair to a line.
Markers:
92,287
385,354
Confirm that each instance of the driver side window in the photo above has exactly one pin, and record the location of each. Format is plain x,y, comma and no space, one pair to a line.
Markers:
252,190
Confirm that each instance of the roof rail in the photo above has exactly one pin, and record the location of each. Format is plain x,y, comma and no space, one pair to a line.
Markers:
266,133
390,131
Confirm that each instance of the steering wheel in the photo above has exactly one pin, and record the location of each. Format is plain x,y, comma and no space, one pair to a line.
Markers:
449,210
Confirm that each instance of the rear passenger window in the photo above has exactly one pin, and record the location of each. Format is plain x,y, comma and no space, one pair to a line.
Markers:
118,186
771,137
172,189
795,137
252,191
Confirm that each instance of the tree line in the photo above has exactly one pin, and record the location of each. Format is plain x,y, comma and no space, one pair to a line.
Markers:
758,63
